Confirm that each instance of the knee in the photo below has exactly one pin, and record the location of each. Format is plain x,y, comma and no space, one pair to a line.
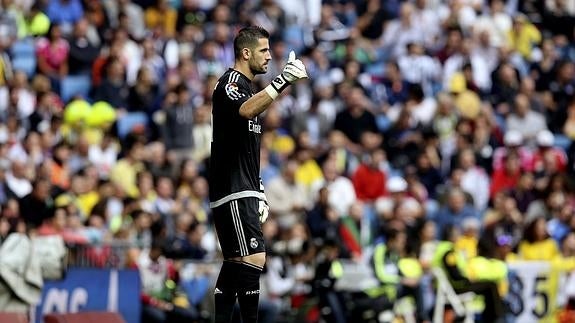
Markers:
258,259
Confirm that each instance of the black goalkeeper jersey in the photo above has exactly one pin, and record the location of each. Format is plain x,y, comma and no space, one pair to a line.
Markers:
235,157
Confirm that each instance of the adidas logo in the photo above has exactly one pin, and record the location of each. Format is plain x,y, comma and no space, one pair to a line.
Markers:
217,291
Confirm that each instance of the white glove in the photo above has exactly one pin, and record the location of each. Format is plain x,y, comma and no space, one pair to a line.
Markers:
293,70
263,207
264,210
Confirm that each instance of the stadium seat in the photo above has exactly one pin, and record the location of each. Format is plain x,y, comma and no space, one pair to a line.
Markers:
128,122
84,317
23,56
75,85
13,317
23,47
462,304
26,64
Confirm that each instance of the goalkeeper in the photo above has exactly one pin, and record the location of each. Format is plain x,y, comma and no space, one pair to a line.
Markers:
237,198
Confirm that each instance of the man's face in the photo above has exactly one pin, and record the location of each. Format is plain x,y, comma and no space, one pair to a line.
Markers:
260,57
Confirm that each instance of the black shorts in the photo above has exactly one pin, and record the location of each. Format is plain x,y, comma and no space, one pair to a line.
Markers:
238,227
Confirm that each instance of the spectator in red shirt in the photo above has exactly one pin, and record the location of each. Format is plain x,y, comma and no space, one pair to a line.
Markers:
56,225
508,176
52,53
368,179
513,141
545,149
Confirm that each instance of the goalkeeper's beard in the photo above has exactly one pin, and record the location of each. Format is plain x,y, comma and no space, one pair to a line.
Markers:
257,69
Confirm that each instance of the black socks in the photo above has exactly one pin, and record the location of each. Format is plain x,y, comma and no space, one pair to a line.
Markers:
242,280
249,292
225,291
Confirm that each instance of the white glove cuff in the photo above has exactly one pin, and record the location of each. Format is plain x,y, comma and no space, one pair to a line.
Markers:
279,83
272,92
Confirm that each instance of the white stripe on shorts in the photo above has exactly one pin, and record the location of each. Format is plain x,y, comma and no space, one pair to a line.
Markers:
239,228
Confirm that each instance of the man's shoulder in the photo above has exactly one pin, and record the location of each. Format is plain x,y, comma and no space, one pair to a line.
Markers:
233,84
231,76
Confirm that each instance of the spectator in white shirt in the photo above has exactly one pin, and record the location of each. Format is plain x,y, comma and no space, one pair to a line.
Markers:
287,198
459,12
401,31
495,22
104,155
474,180
526,121
419,68
341,193
479,65
429,18
484,47
17,181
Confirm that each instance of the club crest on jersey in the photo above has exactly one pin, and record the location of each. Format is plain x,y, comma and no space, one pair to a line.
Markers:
232,91
253,243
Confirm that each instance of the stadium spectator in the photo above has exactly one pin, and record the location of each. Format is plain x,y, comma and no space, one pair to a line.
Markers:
52,52
369,179
159,279
125,170
525,121
83,49
523,36
57,225
36,206
538,245
357,118
357,232
340,188
506,178
322,219
288,197
546,152
144,94
455,211
133,12
162,17
474,179
114,88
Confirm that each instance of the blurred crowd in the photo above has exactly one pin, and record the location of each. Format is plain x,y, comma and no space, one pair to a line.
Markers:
436,120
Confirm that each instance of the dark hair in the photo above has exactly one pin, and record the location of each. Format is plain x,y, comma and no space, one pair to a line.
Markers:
392,233
136,214
529,232
51,29
248,37
415,92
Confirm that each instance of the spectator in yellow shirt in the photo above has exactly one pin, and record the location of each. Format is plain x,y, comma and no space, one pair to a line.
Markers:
536,243
124,173
523,36
161,16
466,244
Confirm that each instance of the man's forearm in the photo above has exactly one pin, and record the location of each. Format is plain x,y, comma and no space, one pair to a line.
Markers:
255,105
